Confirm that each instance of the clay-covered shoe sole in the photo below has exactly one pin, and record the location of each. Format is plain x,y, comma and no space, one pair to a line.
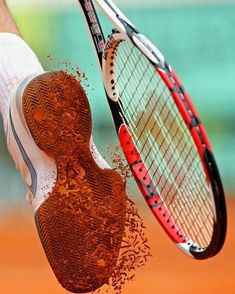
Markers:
81,223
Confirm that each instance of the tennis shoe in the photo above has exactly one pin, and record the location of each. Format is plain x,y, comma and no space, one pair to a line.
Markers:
79,201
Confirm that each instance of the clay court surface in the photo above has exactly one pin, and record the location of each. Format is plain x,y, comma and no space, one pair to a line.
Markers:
24,269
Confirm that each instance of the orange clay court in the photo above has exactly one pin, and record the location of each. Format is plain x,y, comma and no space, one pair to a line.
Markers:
24,269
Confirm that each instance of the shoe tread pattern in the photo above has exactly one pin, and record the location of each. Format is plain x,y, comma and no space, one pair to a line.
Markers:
81,224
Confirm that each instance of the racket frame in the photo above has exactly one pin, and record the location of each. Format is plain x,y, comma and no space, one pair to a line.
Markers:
126,31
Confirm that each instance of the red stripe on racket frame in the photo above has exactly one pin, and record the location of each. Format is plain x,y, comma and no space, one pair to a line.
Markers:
148,188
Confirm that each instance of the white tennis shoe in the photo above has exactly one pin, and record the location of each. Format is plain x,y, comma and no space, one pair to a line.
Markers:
79,201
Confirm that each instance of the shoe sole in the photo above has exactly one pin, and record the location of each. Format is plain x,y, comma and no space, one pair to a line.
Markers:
81,223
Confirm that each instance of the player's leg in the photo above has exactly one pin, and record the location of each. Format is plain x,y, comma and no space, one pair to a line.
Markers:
17,60
7,23
79,202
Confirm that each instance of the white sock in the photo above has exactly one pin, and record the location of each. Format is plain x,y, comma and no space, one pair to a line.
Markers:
17,61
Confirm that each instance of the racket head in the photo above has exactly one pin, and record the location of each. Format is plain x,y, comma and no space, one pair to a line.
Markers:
165,144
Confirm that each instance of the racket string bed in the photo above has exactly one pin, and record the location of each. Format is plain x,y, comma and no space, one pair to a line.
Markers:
136,89
159,133
164,124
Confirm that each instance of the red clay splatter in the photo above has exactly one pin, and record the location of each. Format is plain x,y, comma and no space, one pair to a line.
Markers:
135,250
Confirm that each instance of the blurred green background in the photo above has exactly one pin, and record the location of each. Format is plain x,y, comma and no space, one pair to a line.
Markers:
197,38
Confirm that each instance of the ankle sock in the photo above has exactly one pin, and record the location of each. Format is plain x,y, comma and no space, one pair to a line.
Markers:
17,61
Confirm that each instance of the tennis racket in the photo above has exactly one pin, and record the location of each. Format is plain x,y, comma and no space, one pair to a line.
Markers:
161,135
